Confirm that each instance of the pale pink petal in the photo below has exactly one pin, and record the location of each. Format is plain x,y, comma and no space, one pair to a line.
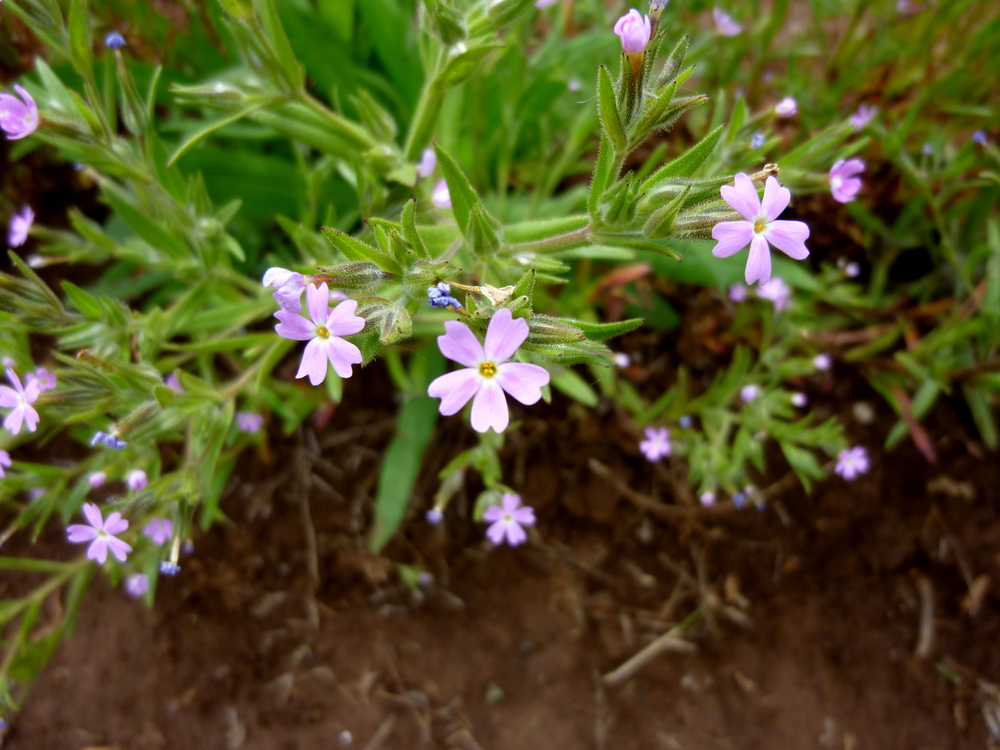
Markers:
776,199
342,321
789,237
496,532
525,516
293,326
32,390
493,513
80,533
742,198
850,167
342,354
98,549
115,524
522,381
454,389
276,276
14,419
93,515
30,417
460,344
119,548
516,535
489,407
15,381
9,397
503,336
510,502
733,236
759,261
318,302
313,362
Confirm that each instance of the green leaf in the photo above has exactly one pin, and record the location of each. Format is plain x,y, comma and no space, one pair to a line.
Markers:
211,127
604,174
31,565
355,249
278,40
574,386
85,302
982,414
410,232
604,331
460,67
687,163
608,109
80,38
463,197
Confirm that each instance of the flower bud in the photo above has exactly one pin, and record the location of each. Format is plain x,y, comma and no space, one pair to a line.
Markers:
634,30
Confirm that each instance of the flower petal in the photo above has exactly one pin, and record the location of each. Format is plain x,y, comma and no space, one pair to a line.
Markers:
525,516
733,236
313,363
776,199
742,198
8,397
31,390
460,344
489,408
510,502
496,532
15,381
119,548
789,237
455,389
93,515
493,513
522,381
80,533
516,535
342,354
276,276
503,336
342,320
318,302
31,417
115,524
759,261
293,326
98,549
14,420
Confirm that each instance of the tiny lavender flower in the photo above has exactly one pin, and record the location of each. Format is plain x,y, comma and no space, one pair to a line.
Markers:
20,401
159,530
20,225
980,137
863,116
111,441
852,463
777,292
45,379
621,360
100,534
288,287
852,270
434,516
543,4
928,149
441,197
759,227
799,399
686,421
634,30
324,334
440,296
749,392
137,480
173,383
114,40
657,443
822,362
739,499
507,521
787,107
574,85
18,117
707,499
5,463
168,568
487,374
844,185
738,293
249,422
428,163
136,585
97,478
725,24
757,141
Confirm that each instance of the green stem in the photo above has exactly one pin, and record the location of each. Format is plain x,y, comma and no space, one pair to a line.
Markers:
424,119
559,242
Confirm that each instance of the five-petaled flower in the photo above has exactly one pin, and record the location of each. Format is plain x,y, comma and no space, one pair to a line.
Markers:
863,116
487,374
100,534
759,227
844,184
45,379
657,443
21,399
18,117
249,422
634,30
5,463
159,530
852,462
19,226
507,521
725,24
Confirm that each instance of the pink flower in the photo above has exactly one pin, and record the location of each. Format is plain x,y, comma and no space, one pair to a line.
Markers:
843,183
137,480
738,293
428,163
759,227
173,383
707,499
787,107
634,30
822,362
749,392
441,197
508,521
288,287
45,379
776,291
18,118
159,530
21,399
100,534
543,4
249,422
657,443
852,463
863,116
97,478
20,225
5,463
852,270
323,333
488,374
136,585
799,399
725,24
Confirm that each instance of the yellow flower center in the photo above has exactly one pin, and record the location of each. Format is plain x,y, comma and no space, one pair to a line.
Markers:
487,369
758,226
323,332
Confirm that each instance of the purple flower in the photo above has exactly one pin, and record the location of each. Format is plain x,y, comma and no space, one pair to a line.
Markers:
5,463
168,568
725,24
428,163
822,362
440,296
114,40
980,137
776,291
97,478
20,225
738,293
111,441
434,516
759,227
799,399
749,392
173,383
863,116
657,443
686,421
45,379
136,585
634,30
843,183
249,422
543,4
787,107
928,149
487,374
18,119
621,360
758,140
324,334
21,399
739,499
288,286
137,480
441,197
707,499
507,521
100,534
852,463
852,270
159,530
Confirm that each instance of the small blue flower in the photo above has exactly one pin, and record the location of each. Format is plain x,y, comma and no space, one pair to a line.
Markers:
757,141
928,149
168,568
440,296
739,499
434,516
979,137
114,40
686,421
110,441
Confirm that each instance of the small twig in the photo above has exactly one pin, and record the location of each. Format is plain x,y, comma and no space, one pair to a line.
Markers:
382,733
925,641
669,641
662,510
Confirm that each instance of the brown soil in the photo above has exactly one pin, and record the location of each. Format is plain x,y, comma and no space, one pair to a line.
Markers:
812,611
